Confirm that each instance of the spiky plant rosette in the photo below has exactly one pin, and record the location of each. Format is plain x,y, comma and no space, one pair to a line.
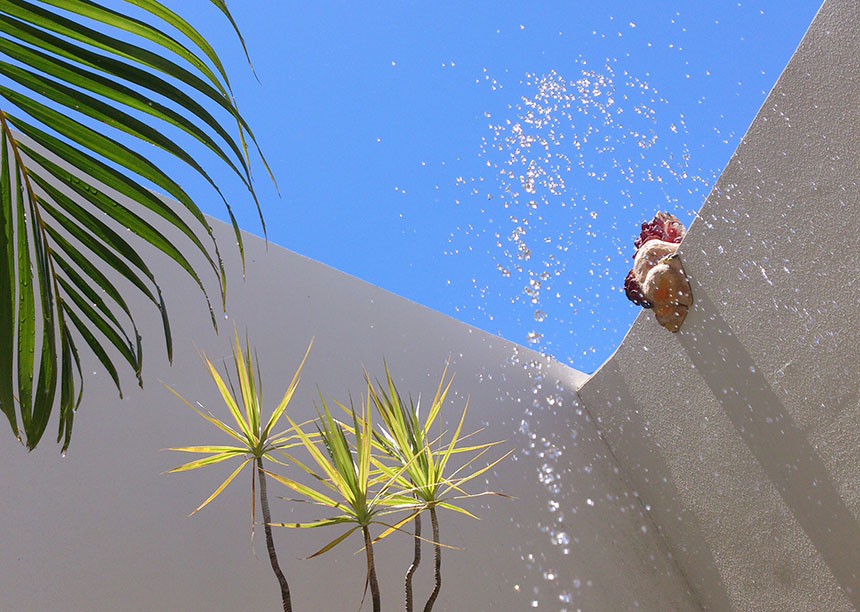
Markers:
254,439
254,435
420,464
405,441
359,497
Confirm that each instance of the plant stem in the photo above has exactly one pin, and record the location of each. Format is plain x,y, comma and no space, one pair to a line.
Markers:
416,559
437,551
371,570
270,544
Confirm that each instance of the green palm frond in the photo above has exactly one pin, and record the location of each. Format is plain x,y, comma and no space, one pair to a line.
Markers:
86,93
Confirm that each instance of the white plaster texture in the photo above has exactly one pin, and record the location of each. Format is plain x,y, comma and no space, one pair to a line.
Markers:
742,432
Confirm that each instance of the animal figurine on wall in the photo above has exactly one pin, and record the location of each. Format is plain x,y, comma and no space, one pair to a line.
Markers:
657,280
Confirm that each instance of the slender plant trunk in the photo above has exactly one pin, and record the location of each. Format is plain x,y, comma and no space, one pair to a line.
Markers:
437,552
270,544
416,559
371,570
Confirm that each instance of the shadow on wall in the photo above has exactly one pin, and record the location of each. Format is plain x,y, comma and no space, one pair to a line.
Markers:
778,444
623,417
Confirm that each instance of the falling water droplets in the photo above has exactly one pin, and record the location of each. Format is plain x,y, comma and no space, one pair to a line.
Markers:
571,164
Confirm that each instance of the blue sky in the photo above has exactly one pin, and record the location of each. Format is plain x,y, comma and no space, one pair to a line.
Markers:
493,161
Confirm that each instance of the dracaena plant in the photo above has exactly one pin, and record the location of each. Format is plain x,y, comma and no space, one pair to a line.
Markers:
254,439
419,464
358,495
87,94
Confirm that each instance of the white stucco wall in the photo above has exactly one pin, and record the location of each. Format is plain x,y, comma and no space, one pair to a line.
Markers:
713,469
100,530
742,432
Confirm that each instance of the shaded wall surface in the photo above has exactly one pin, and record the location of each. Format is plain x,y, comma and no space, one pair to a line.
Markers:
101,530
742,432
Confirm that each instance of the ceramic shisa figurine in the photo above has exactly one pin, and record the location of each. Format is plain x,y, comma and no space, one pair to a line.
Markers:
657,280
